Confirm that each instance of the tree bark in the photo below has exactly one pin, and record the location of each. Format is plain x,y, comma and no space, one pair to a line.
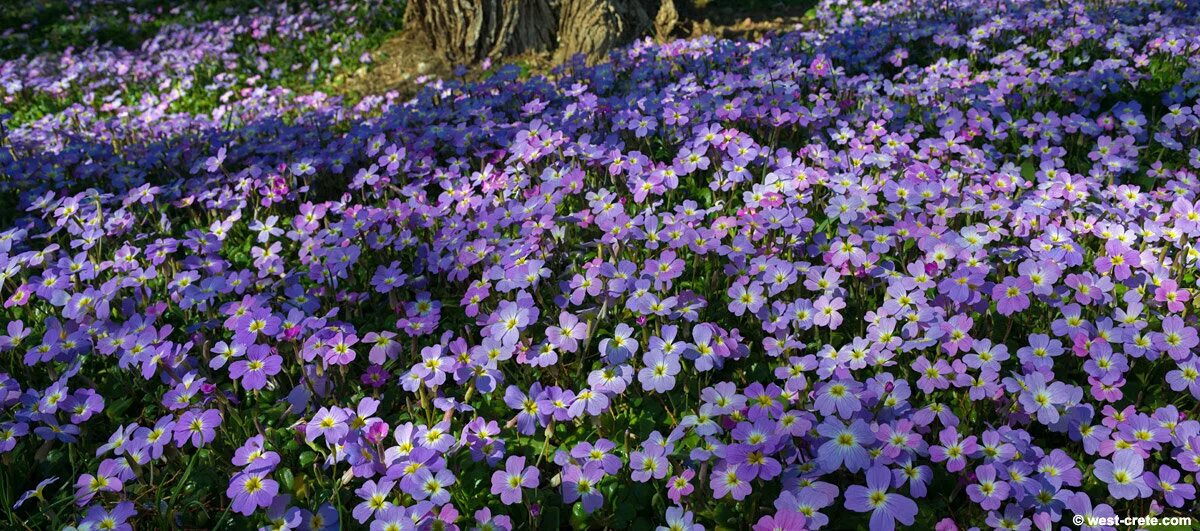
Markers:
467,31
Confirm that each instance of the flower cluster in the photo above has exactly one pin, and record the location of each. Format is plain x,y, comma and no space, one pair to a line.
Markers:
926,263
201,69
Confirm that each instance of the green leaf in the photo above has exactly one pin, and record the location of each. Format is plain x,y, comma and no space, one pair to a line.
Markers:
287,478
1028,171
550,519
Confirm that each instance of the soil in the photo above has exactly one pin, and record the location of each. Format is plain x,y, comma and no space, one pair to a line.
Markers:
404,62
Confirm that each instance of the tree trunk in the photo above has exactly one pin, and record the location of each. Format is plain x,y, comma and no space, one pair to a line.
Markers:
467,31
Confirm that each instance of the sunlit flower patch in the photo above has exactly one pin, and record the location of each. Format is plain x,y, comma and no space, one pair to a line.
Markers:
926,264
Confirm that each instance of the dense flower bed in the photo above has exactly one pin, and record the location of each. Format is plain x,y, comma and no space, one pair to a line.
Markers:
199,70
928,263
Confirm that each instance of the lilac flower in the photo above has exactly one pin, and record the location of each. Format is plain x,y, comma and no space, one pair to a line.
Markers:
1175,492
375,499
745,297
106,479
621,346
251,490
1176,339
679,519
659,373
508,483
826,311
953,450
327,423
431,485
116,520
1123,474
886,508
198,429
846,445
260,363
648,463
817,207
1042,398
511,318
567,335
36,492
1011,295
1081,504
582,483
987,491
731,480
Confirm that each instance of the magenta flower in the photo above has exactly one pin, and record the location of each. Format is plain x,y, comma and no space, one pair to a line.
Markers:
1170,293
680,486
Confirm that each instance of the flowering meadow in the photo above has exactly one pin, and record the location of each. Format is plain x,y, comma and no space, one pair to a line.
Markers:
926,263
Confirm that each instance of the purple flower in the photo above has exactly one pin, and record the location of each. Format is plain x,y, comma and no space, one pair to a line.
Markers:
582,483
431,485
115,520
987,491
251,490
1176,338
953,450
846,445
731,480
840,396
260,363
508,483
1011,295
1042,398
1123,474
198,429
374,498
886,508
659,373
328,423
1175,492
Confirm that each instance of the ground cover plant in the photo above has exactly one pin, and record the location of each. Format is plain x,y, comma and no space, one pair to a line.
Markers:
926,263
